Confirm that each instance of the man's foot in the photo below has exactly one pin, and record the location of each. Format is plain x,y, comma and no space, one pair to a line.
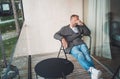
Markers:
95,74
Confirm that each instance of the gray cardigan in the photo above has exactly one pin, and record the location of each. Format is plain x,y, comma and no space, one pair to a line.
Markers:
72,38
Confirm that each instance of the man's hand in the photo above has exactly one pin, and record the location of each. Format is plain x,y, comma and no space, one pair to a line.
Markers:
79,22
64,43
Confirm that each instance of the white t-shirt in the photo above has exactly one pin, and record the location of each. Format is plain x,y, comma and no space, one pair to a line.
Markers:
75,29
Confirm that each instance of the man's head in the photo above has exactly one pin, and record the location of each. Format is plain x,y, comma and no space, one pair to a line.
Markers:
74,19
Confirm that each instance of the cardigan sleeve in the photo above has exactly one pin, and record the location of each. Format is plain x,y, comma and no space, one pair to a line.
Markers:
85,30
58,35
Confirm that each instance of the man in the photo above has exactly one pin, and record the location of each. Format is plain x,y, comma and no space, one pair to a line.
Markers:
70,36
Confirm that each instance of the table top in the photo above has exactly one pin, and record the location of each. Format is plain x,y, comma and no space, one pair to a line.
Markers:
54,68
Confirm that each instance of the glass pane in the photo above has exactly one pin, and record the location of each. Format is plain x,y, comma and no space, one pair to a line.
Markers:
9,36
114,34
6,7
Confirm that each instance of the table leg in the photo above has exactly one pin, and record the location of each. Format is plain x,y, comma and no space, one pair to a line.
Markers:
36,76
64,77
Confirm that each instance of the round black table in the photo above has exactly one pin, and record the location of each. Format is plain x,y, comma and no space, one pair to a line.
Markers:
54,68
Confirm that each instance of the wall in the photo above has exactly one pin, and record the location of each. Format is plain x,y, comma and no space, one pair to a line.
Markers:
85,11
22,44
42,19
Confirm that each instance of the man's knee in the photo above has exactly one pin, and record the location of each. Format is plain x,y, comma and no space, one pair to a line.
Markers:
85,49
84,46
81,56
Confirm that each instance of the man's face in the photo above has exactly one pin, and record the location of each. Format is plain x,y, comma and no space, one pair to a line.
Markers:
74,21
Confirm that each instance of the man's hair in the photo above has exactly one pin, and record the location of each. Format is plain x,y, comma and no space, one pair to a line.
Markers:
74,15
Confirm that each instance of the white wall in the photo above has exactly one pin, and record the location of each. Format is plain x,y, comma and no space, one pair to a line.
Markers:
42,19
22,44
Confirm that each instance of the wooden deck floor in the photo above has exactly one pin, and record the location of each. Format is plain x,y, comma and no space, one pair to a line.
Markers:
78,73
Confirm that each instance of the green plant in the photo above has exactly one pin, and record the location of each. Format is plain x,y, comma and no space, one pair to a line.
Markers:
8,46
4,18
6,27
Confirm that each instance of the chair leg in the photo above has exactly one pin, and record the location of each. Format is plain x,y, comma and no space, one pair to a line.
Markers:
64,77
65,53
59,52
62,48
36,76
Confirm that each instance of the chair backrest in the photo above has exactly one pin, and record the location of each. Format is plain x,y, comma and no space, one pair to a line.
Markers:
90,42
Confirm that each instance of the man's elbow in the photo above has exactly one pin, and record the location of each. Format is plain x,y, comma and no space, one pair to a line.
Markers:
57,36
87,33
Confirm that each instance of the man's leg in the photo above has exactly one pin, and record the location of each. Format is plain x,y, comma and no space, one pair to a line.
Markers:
85,61
84,49
80,57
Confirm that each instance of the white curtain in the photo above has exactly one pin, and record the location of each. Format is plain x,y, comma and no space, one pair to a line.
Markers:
99,26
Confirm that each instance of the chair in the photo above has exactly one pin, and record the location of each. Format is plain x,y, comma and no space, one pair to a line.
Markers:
62,48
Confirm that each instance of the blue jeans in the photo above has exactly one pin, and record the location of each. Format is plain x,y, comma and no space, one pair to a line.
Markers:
82,54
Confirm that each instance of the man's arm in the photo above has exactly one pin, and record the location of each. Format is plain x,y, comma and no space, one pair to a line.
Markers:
59,36
85,30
